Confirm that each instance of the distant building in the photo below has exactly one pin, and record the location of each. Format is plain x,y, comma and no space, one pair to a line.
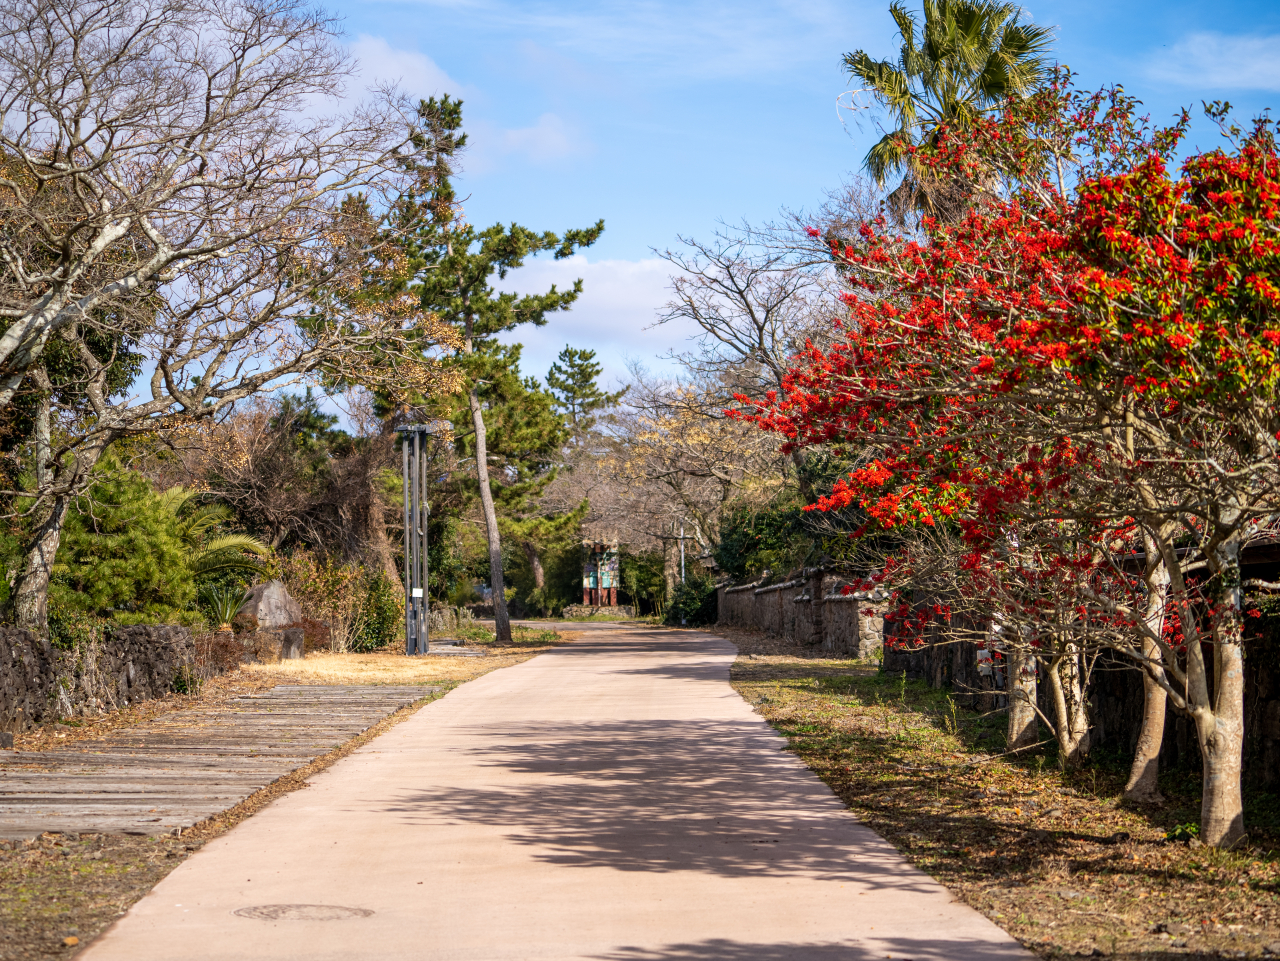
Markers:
600,573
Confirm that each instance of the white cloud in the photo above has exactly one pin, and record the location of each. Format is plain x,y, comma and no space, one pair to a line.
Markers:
549,139
620,299
689,38
415,73
1216,60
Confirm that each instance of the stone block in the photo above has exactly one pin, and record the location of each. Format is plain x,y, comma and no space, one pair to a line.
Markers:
262,647
293,641
268,607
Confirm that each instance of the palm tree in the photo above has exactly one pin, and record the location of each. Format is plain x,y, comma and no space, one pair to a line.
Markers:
204,553
969,57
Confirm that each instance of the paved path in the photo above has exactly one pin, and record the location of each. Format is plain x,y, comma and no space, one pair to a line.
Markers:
182,767
611,799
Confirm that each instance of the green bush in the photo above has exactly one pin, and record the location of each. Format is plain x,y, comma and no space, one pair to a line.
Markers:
384,623
122,556
70,628
694,603
644,581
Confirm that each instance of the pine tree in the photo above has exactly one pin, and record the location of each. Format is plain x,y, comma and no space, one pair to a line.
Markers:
525,437
572,380
454,266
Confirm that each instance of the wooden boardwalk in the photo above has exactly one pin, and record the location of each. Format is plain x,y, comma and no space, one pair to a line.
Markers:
182,767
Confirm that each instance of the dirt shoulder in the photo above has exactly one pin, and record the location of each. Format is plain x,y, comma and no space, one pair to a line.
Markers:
1057,860
59,891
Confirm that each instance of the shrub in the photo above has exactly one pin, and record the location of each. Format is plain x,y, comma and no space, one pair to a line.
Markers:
384,621
694,602
363,610
122,557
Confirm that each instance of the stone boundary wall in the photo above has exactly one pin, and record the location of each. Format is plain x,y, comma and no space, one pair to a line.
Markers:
40,683
579,611
809,609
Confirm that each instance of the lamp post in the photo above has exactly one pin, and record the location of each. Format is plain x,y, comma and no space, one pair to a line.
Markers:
417,512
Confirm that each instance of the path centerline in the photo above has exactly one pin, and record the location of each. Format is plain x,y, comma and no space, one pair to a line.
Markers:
609,799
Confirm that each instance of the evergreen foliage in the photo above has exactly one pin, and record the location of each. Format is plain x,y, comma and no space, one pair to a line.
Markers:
384,614
452,267
123,555
644,581
572,381
694,601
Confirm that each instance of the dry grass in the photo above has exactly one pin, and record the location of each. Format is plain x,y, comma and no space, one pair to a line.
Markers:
321,667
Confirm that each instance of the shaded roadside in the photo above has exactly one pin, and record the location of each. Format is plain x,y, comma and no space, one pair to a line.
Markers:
1057,860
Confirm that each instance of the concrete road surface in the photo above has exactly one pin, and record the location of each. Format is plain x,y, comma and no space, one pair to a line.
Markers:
610,799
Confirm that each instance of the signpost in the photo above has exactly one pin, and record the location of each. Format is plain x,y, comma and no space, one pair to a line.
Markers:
417,512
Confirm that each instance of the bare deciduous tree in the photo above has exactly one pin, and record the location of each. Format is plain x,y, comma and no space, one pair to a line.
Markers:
143,141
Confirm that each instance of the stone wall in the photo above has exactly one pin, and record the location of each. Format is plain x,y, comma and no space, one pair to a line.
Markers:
574,612
809,609
40,683
443,621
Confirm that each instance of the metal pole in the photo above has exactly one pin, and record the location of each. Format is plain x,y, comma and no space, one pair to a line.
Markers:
417,543
408,601
412,439
426,596
422,544
417,515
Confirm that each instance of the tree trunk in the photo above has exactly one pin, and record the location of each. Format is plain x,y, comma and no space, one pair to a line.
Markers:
1220,726
539,575
501,623
1221,748
1144,775
30,597
1024,728
1072,721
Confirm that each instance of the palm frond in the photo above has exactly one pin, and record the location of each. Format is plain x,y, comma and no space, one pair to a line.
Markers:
225,561
173,499
888,155
224,604
205,517
237,542
966,57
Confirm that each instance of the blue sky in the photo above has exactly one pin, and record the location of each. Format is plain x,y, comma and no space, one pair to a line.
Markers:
665,118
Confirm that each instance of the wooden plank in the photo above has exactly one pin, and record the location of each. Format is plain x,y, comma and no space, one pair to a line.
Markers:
176,770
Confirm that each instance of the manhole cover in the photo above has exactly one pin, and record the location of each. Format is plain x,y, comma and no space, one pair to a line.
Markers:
302,912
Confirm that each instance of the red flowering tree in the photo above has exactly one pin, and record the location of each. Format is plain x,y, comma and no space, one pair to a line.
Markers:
1077,380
